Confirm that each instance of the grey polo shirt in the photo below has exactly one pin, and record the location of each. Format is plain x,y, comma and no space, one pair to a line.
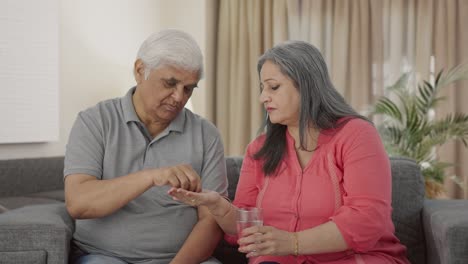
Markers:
108,141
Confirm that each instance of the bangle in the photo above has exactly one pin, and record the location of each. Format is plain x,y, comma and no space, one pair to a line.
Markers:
296,244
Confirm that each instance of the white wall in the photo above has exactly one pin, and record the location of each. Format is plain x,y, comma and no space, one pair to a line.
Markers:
98,44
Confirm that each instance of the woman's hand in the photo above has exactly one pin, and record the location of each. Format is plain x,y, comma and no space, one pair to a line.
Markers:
266,240
207,198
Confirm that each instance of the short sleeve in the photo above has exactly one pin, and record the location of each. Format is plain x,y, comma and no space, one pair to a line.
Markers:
85,148
214,164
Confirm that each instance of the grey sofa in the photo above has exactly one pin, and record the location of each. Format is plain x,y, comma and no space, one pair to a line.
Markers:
36,228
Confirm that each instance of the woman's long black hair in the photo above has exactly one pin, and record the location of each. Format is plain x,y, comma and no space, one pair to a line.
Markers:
321,104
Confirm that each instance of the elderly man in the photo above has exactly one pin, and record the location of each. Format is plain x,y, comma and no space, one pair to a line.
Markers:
124,154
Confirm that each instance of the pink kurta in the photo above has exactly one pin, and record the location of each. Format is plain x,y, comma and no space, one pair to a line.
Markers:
347,181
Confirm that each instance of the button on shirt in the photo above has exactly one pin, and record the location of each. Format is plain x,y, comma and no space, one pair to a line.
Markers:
109,141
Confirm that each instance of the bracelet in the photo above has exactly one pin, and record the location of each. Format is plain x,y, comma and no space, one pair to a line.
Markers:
296,244
227,212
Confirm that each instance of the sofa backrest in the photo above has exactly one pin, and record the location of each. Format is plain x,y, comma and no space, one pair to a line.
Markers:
408,194
407,202
25,176
233,166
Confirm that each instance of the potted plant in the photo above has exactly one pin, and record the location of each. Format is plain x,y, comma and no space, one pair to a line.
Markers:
408,126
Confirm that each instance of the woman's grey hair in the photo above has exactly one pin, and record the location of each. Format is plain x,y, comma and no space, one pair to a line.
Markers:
303,63
322,107
171,47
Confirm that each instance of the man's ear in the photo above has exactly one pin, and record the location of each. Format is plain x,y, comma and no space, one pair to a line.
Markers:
139,71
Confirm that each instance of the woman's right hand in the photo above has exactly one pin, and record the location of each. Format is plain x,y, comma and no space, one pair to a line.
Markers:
206,198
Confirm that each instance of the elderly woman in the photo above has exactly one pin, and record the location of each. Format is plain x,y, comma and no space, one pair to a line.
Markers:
319,172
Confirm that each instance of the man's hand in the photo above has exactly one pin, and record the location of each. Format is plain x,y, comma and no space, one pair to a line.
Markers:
180,176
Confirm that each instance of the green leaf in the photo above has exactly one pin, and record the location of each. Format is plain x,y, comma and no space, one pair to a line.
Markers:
407,129
387,107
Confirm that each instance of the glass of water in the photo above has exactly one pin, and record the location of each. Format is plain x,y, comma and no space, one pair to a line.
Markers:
247,217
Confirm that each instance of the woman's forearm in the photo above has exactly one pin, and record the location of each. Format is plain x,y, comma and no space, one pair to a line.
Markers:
225,213
324,238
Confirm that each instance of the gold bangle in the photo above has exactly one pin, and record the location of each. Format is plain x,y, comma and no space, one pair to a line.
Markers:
296,244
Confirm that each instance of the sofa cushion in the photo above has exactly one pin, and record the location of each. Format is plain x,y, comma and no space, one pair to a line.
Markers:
3,209
24,257
14,202
407,202
58,195
26,176
46,227
233,166
446,225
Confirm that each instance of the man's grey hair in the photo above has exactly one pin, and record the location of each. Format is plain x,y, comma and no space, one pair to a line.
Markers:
171,47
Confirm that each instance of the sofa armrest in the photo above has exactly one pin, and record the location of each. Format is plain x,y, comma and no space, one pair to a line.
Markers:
446,230
30,231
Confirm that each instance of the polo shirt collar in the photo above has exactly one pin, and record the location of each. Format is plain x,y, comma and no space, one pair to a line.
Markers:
130,114
128,108
178,123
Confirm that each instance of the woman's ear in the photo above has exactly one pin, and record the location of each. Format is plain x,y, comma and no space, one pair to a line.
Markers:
139,71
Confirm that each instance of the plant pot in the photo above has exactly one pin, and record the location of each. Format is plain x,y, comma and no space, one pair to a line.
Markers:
435,190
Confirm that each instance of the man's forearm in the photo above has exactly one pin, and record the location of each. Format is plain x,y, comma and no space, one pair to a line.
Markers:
201,242
98,198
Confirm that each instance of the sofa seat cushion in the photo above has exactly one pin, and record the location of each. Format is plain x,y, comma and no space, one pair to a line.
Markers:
14,202
446,223
46,227
58,195
25,257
